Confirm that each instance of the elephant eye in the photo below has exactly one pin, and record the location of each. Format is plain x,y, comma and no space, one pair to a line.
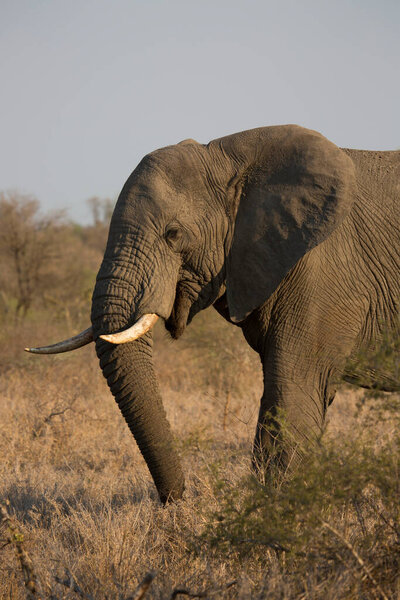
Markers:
173,234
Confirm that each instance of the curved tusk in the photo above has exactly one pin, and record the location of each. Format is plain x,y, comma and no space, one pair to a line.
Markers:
142,326
83,338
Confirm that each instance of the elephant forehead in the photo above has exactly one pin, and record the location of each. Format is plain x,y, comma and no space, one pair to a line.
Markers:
152,199
185,168
168,179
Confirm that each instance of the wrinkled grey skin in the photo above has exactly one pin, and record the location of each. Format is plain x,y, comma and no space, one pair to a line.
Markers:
290,238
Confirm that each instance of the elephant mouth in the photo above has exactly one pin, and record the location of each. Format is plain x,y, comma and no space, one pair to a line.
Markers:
179,317
175,324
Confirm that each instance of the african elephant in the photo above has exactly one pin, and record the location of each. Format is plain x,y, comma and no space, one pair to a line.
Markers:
289,237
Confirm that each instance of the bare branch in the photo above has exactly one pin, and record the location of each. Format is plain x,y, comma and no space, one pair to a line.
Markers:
143,587
358,558
57,413
205,594
71,584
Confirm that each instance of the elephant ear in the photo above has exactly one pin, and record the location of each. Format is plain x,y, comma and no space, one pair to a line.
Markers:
295,195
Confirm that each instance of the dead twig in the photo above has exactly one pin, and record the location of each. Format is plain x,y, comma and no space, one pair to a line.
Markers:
143,586
56,413
184,592
71,584
226,407
16,538
358,558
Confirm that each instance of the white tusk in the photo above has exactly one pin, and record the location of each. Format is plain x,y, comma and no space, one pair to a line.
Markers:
83,338
142,326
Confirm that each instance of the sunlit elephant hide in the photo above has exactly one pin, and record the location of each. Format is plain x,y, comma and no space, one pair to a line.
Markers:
289,237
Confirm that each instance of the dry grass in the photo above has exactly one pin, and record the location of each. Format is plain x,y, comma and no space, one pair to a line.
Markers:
80,493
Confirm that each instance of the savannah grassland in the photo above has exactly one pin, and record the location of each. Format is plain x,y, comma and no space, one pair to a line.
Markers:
81,502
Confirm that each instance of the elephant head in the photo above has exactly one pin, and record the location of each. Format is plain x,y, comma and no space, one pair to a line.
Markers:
195,224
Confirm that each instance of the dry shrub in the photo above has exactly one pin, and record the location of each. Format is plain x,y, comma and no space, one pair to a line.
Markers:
48,265
335,523
332,527
78,488
81,495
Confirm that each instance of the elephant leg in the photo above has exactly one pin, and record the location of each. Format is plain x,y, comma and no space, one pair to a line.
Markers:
291,417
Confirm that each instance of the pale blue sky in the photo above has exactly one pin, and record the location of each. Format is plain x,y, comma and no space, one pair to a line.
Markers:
90,86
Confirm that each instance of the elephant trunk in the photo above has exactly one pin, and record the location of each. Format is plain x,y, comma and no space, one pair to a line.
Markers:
130,375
